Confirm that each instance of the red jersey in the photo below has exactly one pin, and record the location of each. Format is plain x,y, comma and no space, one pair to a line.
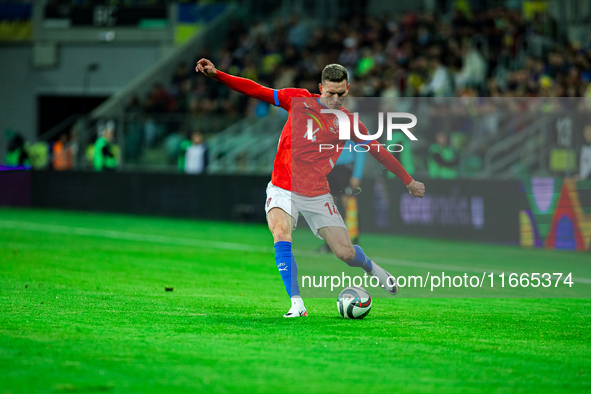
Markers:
301,165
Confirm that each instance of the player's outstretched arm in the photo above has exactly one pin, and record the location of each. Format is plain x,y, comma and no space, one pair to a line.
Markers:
241,85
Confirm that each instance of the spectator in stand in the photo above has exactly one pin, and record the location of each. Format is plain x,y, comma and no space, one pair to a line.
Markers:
62,154
196,155
441,83
104,153
474,69
182,150
585,154
17,154
443,160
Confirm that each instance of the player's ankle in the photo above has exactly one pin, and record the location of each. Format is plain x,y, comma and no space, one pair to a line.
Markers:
374,268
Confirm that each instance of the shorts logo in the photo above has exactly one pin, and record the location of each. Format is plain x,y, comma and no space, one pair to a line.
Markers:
268,202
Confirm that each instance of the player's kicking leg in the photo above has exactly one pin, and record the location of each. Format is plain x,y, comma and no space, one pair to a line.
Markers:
340,243
281,225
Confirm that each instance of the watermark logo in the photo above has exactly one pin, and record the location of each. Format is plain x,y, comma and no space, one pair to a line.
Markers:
311,134
343,124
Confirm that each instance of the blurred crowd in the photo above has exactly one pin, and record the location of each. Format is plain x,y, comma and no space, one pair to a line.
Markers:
121,3
492,53
496,53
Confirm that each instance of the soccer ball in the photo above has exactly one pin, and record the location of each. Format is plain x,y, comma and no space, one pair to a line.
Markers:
354,303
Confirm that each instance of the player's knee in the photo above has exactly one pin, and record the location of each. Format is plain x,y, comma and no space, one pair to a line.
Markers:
345,253
281,233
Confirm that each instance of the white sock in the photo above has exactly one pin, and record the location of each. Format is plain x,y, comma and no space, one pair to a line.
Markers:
297,300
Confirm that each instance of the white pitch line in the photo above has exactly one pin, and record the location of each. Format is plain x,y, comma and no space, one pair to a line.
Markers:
120,235
167,240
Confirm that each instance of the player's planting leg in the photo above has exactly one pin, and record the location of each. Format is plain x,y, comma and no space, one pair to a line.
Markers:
288,269
281,224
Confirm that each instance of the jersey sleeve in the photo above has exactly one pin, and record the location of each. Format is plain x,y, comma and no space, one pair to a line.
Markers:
283,96
247,87
279,98
381,154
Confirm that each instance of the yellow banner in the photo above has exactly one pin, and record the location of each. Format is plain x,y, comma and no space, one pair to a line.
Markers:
16,31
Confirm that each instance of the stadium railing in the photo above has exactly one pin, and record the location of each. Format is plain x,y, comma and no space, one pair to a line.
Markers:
247,147
509,156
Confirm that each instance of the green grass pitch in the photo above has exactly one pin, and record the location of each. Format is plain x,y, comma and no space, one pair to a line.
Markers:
83,308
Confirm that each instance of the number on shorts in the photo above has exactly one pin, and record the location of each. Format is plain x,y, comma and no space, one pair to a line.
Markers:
333,210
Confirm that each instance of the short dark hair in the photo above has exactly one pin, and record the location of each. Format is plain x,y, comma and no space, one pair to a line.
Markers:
334,73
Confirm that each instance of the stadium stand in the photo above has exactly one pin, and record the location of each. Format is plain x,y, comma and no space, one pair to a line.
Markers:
494,52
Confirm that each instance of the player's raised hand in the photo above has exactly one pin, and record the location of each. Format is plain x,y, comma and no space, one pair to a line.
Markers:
416,189
206,67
